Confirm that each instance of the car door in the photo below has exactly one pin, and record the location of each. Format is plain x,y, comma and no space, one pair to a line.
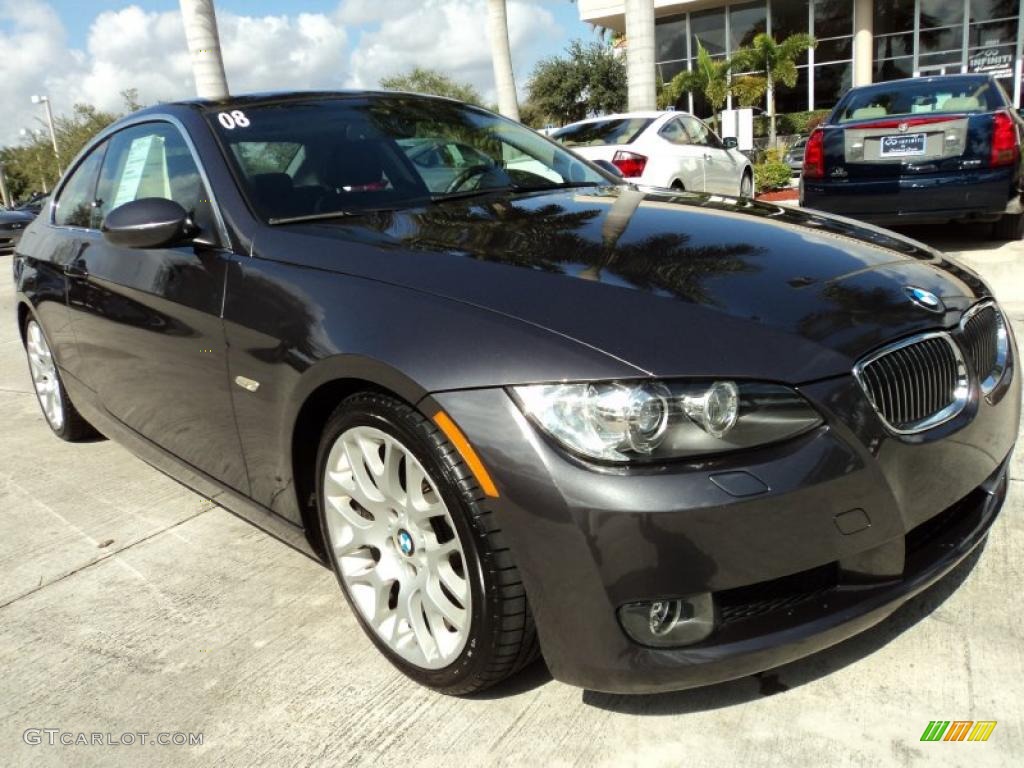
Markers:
721,169
148,321
685,159
58,245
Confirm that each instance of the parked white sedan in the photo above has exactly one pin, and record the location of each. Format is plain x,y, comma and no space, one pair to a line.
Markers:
663,149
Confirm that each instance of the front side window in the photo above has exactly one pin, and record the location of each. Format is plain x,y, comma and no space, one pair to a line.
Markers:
75,207
700,134
379,152
674,133
152,160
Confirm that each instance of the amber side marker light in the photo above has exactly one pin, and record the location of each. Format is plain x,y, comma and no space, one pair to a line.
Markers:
469,455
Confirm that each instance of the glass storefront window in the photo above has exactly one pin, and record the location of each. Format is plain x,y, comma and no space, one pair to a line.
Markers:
834,50
892,46
833,18
670,38
989,10
708,27
894,69
830,82
894,16
669,69
788,18
792,99
746,22
941,13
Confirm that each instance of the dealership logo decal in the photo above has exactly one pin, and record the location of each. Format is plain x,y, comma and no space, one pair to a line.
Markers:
958,730
925,299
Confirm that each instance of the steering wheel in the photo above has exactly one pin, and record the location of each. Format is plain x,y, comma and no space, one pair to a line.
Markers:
471,172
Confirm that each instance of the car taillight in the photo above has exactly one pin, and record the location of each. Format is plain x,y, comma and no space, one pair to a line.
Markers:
1005,142
630,163
814,156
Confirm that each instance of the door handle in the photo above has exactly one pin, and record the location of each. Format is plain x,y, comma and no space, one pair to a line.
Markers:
75,269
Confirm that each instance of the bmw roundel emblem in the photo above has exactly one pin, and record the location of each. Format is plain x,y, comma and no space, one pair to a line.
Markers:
925,299
405,543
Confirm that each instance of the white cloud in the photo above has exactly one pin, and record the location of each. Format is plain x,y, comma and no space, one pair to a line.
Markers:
357,45
447,35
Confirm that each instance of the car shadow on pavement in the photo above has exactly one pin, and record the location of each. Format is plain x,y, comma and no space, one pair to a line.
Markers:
957,238
796,673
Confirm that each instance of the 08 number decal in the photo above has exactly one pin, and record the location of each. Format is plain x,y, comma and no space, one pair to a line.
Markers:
234,119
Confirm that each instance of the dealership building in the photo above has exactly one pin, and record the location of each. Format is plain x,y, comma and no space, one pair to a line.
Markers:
859,41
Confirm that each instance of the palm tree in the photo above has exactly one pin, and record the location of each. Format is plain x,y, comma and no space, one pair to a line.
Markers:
776,62
710,77
501,57
640,55
204,44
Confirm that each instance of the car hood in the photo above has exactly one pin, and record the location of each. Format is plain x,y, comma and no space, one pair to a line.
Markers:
673,284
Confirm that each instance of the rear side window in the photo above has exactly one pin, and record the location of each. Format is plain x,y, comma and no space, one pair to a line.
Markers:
151,160
920,97
621,130
75,206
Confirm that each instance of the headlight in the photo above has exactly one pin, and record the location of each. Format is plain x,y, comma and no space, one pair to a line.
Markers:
651,421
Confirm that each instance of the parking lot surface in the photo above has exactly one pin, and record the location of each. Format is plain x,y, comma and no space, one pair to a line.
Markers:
129,604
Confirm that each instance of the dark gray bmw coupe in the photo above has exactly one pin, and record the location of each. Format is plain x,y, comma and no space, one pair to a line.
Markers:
519,407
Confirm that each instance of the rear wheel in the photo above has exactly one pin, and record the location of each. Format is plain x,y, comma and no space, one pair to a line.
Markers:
1009,227
58,410
417,555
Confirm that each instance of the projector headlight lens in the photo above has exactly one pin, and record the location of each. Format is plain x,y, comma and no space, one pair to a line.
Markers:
623,421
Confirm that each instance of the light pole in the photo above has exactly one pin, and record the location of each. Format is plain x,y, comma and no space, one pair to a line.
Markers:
45,100
28,133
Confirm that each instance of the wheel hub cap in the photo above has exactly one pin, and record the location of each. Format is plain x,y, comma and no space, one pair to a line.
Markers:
396,547
44,375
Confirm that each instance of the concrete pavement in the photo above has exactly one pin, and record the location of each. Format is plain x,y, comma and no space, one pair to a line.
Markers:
130,604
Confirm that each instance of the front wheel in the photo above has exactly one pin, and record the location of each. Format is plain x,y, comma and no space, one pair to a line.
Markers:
417,555
747,185
58,410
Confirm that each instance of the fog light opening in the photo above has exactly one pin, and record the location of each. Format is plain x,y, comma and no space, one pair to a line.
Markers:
669,622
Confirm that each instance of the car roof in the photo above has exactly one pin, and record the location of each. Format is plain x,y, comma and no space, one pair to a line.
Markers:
244,100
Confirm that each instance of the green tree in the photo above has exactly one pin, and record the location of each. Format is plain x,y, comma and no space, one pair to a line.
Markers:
588,79
710,77
775,62
421,80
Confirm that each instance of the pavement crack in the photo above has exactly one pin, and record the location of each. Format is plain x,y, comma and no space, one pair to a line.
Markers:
105,557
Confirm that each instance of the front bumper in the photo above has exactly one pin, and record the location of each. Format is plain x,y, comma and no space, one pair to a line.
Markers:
786,578
978,195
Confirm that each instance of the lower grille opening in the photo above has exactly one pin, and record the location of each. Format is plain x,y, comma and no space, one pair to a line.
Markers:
776,595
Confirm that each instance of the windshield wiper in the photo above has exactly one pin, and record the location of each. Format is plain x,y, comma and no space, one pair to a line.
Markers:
468,193
326,215
560,185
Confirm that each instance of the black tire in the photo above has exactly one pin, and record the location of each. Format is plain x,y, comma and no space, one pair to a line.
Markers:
1009,227
502,637
747,185
74,428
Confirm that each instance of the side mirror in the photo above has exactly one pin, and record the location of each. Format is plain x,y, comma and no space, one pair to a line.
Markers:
609,167
730,142
151,222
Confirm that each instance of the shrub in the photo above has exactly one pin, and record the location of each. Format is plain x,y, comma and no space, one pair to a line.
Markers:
800,122
771,173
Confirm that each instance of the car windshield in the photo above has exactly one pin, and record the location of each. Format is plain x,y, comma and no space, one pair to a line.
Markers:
303,159
920,97
620,130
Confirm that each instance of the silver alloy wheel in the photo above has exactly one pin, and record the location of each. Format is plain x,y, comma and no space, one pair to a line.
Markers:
397,547
44,375
746,186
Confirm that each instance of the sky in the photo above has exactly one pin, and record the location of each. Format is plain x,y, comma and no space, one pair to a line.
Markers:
91,50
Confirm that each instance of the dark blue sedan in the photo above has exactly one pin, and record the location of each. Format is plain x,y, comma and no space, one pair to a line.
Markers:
935,149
